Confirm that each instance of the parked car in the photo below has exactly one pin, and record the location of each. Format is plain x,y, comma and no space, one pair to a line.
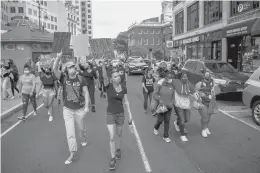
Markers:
224,75
136,67
251,95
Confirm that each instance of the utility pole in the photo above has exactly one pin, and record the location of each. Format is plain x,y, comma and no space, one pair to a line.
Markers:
39,8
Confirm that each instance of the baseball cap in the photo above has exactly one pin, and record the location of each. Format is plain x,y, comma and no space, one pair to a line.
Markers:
70,64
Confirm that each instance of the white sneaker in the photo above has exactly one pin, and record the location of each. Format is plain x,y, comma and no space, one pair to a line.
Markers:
71,158
155,131
84,142
34,113
49,112
50,118
12,98
204,133
184,139
167,140
176,126
207,131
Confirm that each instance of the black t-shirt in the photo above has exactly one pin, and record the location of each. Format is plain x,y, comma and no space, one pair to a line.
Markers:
70,98
115,99
48,82
100,72
148,82
89,76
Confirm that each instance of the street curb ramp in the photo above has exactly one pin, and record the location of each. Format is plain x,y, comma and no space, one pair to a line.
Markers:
6,114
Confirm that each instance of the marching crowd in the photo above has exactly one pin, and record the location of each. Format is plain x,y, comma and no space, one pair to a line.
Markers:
169,93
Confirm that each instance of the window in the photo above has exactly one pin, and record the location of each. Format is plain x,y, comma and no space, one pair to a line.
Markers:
200,67
55,19
30,11
238,7
90,37
193,16
84,26
89,21
152,32
190,65
89,27
52,26
140,31
20,46
89,16
179,23
83,9
42,2
83,14
83,20
49,26
212,11
20,9
45,3
56,27
89,32
51,18
145,41
77,19
89,11
157,41
12,9
152,43
34,12
158,32
89,5
82,3
146,31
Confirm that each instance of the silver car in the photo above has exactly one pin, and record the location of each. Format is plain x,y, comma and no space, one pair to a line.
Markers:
251,95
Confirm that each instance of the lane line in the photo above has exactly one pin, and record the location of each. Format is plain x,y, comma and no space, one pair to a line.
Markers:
241,120
139,143
18,122
234,111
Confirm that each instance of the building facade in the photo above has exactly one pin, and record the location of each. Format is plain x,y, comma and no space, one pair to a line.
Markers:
72,23
219,30
4,12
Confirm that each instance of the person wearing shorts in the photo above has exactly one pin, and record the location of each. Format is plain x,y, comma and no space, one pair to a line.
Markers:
116,95
49,84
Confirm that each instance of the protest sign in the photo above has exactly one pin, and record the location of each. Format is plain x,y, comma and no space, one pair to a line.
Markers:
102,47
46,61
80,45
61,41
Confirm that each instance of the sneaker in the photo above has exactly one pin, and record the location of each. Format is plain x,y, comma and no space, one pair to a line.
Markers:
34,113
51,118
155,131
184,139
177,128
118,154
167,140
112,165
84,142
207,131
71,158
21,118
49,112
12,98
93,109
204,133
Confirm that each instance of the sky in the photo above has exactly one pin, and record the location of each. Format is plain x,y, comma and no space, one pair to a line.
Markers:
110,17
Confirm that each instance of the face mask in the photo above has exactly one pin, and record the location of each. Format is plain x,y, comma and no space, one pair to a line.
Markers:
48,73
26,72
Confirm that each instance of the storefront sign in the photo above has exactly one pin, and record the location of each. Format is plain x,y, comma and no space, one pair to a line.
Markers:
243,7
191,40
237,31
243,17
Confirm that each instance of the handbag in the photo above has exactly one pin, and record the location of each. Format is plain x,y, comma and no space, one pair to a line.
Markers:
182,101
161,108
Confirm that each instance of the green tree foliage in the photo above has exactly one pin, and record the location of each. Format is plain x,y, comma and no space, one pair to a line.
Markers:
121,44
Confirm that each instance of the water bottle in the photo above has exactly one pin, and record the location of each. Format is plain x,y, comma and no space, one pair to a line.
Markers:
130,124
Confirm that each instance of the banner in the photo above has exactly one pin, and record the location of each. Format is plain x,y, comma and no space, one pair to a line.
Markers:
46,61
102,47
61,41
80,45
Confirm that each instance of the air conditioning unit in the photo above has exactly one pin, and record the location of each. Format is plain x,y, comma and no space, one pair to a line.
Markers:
169,44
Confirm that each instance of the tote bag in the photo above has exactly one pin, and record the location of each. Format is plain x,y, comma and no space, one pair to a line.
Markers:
182,101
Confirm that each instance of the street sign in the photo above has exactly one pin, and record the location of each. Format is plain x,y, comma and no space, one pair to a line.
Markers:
61,41
169,44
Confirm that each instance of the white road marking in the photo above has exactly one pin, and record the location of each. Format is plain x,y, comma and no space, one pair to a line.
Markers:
17,123
139,143
235,111
241,120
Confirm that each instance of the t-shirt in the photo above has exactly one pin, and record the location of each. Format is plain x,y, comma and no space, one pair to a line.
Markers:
27,83
148,82
100,72
48,82
70,98
115,99
89,76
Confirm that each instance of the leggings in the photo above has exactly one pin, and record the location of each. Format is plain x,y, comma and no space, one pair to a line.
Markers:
183,117
91,90
13,86
26,98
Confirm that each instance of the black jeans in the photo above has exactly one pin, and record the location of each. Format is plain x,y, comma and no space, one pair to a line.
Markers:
183,117
13,86
146,95
91,90
26,98
166,117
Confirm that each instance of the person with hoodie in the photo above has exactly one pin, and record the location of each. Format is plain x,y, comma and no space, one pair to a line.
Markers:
164,95
90,75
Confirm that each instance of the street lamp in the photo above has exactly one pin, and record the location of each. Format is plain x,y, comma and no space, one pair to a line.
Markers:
39,9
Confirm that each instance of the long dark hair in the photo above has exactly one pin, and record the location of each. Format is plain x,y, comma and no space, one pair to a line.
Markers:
162,72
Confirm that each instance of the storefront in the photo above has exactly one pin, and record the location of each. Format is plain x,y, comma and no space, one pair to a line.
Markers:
243,45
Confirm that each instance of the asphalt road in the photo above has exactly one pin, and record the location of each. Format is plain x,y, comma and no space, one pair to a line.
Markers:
39,146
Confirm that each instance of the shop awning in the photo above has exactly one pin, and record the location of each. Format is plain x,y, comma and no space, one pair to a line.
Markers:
239,29
256,27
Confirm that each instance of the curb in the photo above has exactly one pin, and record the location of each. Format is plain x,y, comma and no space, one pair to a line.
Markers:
6,114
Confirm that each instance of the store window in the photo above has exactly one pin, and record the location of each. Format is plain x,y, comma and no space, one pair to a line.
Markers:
212,11
179,24
193,16
216,50
238,7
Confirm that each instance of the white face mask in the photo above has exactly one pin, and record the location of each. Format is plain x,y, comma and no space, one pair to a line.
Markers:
169,80
26,72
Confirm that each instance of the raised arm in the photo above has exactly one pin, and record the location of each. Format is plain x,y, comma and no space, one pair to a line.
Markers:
56,65
105,77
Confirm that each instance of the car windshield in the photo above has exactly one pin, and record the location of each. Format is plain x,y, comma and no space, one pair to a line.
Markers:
137,61
220,67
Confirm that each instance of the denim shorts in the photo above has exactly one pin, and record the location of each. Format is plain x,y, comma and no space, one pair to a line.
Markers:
48,92
117,118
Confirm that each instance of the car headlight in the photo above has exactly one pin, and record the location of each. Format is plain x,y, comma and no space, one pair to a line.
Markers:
221,81
131,66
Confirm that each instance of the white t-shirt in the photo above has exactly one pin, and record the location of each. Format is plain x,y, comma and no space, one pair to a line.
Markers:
38,66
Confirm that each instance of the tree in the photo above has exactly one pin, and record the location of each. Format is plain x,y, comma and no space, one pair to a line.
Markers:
158,55
121,44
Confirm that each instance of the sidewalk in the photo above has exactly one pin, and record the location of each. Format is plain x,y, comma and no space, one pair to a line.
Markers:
9,106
